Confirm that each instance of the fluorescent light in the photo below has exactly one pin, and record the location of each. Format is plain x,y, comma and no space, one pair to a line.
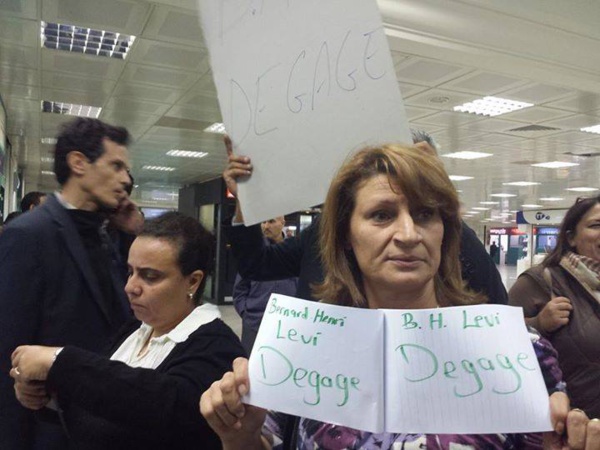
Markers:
216,127
531,206
48,140
47,172
503,195
492,106
71,109
459,178
47,159
595,129
582,189
467,155
479,208
468,216
555,164
521,183
489,203
473,212
71,38
186,153
551,199
159,168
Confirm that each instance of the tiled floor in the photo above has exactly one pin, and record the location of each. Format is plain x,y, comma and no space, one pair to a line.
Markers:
231,317
508,274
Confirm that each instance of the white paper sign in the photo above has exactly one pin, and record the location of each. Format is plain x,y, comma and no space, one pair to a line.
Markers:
321,361
301,84
471,369
461,370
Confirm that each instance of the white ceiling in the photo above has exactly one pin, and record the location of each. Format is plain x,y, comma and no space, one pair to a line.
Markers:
538,51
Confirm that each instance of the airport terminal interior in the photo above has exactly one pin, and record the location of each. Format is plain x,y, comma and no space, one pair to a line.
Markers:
411,261
144,65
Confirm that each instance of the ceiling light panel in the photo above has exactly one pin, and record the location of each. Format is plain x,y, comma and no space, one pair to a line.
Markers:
75,39
555,165
531,205
595,129
459,177
503,195
492,106
467,155
582,189
159,168
70,109
489,203
186,153
551,199
216,127
521,183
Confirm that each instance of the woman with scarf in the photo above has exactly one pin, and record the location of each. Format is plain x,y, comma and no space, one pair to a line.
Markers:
561,299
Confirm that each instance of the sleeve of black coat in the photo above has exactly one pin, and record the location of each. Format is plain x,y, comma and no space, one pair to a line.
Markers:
21,294
160,404
259,261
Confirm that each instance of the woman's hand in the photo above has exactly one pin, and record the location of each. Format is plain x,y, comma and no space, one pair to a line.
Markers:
238,425
31,394
33,362
572,427
555,314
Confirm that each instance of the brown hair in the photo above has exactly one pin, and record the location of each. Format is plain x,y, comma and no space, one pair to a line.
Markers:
567,229
423,180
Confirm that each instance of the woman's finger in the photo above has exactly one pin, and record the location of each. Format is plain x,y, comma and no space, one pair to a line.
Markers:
593,435
576,429
215,408
240,372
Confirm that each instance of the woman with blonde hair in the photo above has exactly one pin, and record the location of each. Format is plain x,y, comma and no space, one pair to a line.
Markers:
390,235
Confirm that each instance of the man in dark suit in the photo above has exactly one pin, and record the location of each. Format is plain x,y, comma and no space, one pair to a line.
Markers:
61,280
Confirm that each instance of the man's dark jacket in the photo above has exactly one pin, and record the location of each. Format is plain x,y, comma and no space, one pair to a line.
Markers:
299,257
49,295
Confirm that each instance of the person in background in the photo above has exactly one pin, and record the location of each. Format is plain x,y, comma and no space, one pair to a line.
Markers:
389,238
32,200
299,257
250,297
561,299
146,394
61,280
493,250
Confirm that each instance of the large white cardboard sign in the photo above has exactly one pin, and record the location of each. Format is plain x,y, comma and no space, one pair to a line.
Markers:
301,84
460,370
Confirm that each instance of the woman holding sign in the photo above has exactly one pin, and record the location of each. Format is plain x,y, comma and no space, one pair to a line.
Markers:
389,239
561,299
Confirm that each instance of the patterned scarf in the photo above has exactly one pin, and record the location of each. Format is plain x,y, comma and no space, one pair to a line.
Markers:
585,270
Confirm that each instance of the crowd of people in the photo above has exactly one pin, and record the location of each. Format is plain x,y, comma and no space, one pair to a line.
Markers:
108,344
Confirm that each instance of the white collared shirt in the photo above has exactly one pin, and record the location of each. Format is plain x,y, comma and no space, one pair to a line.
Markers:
160,347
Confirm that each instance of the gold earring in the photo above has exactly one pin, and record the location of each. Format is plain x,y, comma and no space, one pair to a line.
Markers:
190,295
